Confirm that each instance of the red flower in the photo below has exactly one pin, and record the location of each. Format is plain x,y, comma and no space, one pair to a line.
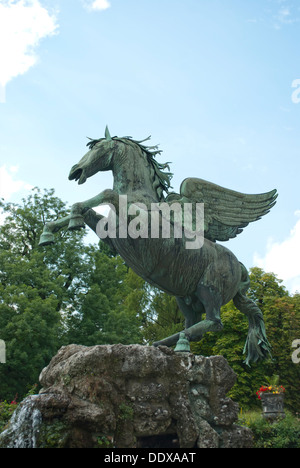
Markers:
14,402
270,389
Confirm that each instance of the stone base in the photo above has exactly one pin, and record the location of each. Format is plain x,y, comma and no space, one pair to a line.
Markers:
136,396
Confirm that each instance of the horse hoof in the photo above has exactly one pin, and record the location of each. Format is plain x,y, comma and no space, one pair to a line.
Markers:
76,223
47,238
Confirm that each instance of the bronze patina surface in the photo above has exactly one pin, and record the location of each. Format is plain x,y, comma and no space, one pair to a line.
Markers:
202,279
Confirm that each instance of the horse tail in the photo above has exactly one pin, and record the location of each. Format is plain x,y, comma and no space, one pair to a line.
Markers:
257,345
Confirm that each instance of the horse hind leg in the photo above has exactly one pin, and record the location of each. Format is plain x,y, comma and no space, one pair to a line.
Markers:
210,303
191,308
257,345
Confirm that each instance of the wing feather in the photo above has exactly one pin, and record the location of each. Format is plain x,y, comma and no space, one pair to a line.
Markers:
226,212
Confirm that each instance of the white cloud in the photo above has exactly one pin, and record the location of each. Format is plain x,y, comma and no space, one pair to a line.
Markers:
283,258
8,184
23,23
278,14
288,13
97,5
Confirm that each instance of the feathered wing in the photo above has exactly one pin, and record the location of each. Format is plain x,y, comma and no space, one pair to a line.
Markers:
226,212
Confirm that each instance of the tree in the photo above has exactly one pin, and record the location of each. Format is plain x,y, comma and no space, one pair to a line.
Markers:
38,286
64,293
112,310
282,318
164,317
76,293
264,286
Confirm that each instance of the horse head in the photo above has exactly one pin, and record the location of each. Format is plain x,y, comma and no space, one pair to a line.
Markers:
98,158
121,155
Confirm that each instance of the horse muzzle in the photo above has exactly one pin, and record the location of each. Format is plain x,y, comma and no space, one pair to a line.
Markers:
78,173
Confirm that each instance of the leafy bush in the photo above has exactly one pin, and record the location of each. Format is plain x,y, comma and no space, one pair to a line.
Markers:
6,411
285,433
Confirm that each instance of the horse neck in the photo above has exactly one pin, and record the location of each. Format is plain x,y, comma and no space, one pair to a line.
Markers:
132,176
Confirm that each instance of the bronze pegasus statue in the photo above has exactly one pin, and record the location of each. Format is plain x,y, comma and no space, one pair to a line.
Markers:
202,279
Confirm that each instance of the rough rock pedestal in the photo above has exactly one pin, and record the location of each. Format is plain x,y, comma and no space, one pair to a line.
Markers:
137,396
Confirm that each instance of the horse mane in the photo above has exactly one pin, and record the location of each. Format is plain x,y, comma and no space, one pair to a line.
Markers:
161,179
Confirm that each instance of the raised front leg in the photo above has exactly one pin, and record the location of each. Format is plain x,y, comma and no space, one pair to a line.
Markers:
51,228
79,209
76,219
91,218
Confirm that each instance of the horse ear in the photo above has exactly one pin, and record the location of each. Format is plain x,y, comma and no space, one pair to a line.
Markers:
107,134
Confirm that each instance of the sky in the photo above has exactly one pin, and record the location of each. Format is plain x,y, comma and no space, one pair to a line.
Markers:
216,83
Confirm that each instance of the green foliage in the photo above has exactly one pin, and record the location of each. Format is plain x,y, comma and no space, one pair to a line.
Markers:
104,442
284,433
126,412
76,293
112,310
164,317
6,412
36,287
53,435
65,293
282,318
